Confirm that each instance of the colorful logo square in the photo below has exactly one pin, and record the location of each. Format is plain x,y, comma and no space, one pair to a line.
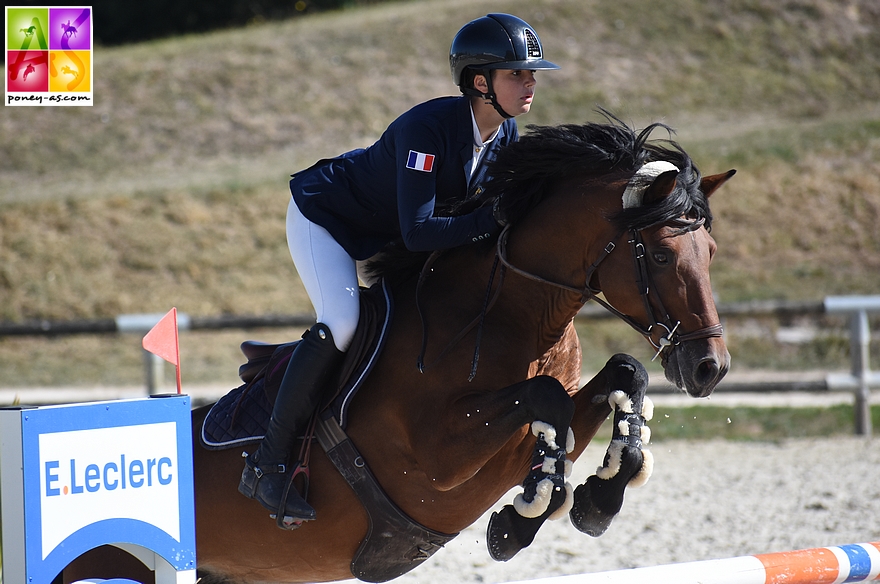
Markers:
26,28
69,71
27,71
48,55
69,29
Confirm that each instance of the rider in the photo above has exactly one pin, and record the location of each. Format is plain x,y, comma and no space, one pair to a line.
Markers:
348,208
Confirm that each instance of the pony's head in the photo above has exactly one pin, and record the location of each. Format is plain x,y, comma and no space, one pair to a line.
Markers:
654,213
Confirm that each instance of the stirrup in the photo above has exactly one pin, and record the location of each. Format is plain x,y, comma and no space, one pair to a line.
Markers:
287,522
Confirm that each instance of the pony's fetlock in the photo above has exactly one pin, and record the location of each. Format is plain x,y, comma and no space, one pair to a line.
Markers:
547,474
630,431
626,463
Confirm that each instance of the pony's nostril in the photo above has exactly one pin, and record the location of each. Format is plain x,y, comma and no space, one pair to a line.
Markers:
707,372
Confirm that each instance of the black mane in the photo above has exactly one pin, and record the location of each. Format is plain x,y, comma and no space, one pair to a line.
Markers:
524,172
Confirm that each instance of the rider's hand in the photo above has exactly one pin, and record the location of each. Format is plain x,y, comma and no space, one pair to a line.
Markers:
498,213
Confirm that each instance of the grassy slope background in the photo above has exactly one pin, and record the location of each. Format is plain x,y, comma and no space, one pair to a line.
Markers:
171,190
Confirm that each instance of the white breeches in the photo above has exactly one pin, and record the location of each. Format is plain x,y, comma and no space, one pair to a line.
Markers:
328,273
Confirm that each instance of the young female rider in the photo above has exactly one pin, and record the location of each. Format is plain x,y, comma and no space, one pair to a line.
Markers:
348,208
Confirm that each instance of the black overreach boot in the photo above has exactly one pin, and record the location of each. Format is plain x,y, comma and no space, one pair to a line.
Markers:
265,476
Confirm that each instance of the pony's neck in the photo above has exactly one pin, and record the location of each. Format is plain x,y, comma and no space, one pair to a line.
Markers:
555,246
535,308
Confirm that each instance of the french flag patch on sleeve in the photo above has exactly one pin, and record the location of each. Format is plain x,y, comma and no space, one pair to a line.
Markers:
420,161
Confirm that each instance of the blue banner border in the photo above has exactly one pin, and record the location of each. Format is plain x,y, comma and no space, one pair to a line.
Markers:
112,414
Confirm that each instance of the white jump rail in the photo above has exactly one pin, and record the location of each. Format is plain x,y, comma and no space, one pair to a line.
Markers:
829,565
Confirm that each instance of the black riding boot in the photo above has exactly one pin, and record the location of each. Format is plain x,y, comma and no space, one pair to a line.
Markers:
265,476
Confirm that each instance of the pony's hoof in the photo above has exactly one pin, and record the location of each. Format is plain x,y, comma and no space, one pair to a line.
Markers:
598,500
509,532
585,515
501,536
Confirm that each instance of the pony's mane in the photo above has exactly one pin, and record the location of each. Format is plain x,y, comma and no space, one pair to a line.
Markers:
524,172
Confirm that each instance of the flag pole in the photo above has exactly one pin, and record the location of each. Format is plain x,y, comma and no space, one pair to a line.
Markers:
176,349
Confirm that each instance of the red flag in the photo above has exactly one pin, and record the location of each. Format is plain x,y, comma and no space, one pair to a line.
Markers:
162,341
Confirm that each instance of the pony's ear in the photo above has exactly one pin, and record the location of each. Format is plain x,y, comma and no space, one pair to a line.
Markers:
710,184
661,187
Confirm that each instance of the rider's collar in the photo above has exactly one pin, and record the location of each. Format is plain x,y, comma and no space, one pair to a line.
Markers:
478,139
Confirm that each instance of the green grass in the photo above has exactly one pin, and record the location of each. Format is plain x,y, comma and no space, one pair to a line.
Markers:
762,148
756,423
172,189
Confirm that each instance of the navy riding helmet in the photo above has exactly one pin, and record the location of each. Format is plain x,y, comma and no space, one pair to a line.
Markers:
495,41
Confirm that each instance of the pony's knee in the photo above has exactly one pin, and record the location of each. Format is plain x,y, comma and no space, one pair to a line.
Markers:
625,372
552,402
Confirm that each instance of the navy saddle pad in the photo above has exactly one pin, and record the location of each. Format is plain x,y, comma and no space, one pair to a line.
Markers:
241,416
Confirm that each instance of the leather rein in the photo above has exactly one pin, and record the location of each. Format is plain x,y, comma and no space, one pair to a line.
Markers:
670,336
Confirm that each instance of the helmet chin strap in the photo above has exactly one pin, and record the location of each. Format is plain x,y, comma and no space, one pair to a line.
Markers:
489,95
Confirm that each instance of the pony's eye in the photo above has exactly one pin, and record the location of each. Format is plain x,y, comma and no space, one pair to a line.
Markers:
661,258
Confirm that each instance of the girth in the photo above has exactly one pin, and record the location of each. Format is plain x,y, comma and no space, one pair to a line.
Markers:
394,543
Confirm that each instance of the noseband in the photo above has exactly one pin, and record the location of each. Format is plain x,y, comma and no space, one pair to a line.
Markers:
669,333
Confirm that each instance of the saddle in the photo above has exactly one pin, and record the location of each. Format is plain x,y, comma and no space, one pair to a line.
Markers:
395,543
240,417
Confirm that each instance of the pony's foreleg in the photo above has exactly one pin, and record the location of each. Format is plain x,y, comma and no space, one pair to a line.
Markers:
626,462
546,495
545,491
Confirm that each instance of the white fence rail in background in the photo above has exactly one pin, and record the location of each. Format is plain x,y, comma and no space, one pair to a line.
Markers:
859,380
858,307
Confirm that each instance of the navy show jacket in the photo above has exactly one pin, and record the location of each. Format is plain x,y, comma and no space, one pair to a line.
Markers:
369,197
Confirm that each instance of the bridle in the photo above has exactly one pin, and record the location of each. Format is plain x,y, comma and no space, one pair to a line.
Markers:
670,337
